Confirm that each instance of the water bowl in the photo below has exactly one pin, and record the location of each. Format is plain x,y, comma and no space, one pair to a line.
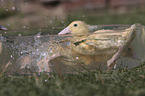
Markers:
23,54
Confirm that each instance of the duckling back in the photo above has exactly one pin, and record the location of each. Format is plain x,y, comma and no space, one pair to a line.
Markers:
106,41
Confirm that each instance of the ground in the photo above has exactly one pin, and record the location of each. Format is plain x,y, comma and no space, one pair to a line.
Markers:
122,82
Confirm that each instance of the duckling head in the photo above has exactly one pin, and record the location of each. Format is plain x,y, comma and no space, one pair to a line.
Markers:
76,28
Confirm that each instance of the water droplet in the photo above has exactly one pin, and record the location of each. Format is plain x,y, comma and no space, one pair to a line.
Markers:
7,9
13,8
19,34
62,21
115,66
38,36
24,26
18,9
45,80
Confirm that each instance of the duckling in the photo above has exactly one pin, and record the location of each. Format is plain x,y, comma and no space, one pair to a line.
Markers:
103,46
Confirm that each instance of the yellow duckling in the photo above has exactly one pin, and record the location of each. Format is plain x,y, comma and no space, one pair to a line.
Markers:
102,45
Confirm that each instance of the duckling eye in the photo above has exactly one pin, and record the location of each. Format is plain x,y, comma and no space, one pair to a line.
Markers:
75,25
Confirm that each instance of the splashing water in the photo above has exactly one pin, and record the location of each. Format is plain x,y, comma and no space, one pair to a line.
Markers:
33,51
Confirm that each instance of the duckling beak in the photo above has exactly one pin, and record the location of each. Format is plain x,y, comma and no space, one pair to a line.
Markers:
65,31
3,28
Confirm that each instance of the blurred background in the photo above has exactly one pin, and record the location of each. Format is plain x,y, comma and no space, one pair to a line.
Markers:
48,14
